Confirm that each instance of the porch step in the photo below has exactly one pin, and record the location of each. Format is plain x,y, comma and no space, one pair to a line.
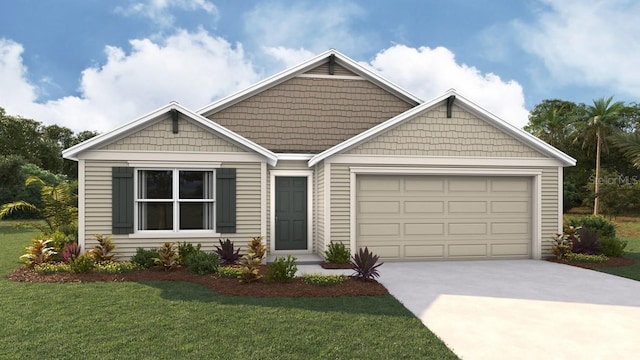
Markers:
305,259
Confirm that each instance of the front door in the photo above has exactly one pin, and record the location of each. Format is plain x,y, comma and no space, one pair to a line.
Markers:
291,213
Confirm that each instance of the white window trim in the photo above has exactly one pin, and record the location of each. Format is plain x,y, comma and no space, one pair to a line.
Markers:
175,232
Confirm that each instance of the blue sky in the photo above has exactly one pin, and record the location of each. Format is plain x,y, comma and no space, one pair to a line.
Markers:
94,64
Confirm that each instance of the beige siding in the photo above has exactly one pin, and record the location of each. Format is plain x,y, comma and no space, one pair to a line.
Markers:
337,70
340,203
310,115
160,137
433,134
98,209
320,201
549,208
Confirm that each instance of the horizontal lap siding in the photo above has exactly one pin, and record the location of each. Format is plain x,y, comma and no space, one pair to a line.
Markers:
340,206
549,208
98,209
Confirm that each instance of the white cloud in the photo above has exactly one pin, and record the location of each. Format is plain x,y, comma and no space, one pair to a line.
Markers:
314,26
159,11
430,72
191,68
587,42
288,57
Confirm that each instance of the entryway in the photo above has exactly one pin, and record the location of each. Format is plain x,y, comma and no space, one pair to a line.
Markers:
291,221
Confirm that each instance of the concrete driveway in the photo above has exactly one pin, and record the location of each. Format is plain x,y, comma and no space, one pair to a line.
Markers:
521,309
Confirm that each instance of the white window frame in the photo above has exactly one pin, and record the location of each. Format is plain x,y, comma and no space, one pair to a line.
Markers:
175,200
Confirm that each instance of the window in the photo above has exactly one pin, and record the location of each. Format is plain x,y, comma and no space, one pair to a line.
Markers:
175,200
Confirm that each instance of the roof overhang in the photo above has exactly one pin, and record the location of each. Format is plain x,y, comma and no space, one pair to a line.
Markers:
140,123
461,101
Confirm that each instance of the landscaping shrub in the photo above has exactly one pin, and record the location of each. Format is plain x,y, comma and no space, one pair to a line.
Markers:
49,268
185,250
81,264
282,269
595,223
203,263
38,253
116,267
587,258
252,260
228,255
561,245
337,253
323,280
145,258
613,247
229,272
69,251
364,264
101,252
257,248
587,242
167,256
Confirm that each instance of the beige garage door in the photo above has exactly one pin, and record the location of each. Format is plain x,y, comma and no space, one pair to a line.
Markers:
443,217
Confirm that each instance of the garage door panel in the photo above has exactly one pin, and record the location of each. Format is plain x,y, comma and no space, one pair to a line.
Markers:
423,229
467,250
510,207
468,207
467,228
510,250
440,217
423,251
379,207
377,229
423,207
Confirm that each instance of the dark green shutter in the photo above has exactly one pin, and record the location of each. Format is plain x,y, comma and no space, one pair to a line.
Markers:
226,200
122,200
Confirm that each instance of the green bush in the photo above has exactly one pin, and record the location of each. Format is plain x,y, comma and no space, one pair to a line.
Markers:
586,258
116,267
613,247
595,223
203,263
337,253
82,264
282,269
323,280
229,272
185,250
145,258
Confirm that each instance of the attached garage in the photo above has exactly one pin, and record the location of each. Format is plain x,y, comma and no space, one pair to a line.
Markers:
418,217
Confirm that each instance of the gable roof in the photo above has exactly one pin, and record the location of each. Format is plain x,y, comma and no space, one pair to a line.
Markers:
140,123
290,73
461,101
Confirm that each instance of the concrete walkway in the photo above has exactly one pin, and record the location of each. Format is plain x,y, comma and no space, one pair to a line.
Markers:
521,309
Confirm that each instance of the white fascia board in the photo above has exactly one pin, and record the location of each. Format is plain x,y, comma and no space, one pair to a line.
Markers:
294,156
519,134
303,67
367,134
516,132
72,153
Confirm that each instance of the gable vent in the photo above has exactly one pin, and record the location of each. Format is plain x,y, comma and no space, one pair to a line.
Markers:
332,63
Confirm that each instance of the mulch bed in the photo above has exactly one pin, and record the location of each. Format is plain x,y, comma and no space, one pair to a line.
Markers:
295,288
327,265
612,262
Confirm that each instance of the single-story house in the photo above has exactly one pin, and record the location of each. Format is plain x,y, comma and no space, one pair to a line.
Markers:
325,151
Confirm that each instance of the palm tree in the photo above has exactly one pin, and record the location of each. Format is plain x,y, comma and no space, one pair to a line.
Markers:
599,121
59,209
630,146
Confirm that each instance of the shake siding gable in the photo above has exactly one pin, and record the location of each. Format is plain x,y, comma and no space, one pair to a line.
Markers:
433,134
159,136
310,115
324,70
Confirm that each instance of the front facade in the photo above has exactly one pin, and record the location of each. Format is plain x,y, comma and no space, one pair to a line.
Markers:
325,151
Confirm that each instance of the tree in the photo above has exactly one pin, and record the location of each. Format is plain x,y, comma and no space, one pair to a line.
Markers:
596,123
553,122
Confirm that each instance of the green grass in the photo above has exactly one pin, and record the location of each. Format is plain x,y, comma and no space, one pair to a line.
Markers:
167,320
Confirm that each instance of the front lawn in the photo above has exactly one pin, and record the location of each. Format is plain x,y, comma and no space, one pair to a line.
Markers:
628,228
166,320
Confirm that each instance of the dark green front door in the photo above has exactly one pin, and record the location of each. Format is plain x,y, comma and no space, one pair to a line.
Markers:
291,213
